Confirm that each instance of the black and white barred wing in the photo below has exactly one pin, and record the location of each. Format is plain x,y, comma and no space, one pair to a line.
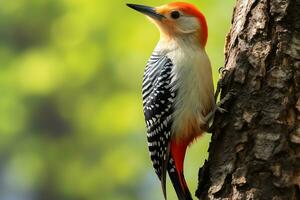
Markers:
158,99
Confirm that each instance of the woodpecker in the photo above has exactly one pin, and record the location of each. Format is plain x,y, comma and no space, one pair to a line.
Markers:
178,91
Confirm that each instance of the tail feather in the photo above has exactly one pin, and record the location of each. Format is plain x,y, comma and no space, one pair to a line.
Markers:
163,177
180,186
178,150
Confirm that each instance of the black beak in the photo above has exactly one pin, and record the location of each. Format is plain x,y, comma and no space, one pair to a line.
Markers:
149,11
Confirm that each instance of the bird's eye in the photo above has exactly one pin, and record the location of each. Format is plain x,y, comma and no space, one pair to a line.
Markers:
175,14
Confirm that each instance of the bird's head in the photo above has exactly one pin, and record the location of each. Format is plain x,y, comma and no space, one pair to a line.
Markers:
177,20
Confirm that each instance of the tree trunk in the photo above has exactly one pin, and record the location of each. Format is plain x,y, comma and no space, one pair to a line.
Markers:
255,147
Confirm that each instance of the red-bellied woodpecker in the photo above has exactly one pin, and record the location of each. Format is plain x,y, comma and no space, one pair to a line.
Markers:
178,92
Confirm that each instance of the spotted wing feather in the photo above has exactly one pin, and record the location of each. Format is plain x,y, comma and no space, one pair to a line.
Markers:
158,103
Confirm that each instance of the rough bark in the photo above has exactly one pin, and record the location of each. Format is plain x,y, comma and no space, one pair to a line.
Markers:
255,147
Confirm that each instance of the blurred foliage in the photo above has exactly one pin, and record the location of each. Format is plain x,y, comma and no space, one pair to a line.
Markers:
71,121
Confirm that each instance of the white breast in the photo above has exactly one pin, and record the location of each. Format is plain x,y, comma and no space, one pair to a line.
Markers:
192,79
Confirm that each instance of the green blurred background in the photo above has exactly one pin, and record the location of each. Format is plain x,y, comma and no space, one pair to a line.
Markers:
71,121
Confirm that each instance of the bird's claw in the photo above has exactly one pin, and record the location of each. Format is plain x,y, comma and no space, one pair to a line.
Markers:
222,71
221,110
228,96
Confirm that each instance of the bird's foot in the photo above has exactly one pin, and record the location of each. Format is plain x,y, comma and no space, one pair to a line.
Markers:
218,108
